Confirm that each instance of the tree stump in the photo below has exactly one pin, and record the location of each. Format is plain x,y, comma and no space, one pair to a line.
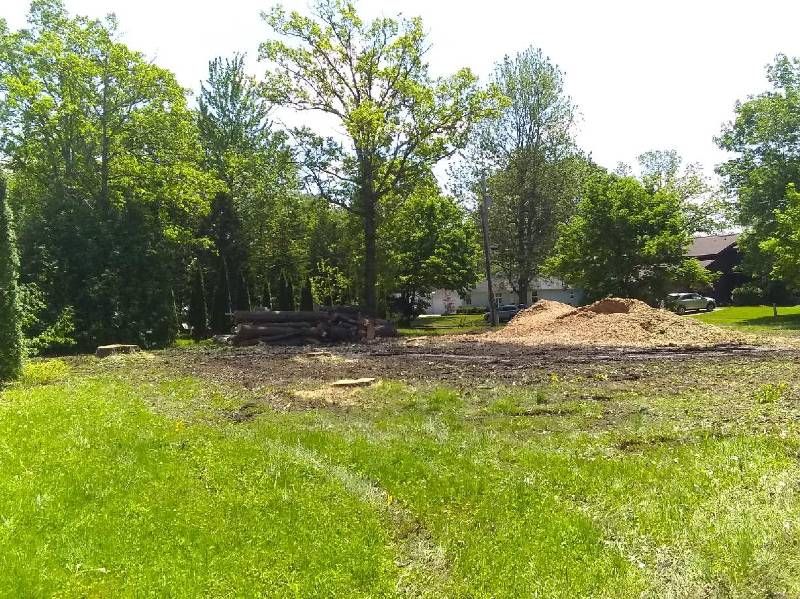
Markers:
104,351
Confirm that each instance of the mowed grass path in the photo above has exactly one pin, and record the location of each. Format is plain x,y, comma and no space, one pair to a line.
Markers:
446,325
756,319
120,479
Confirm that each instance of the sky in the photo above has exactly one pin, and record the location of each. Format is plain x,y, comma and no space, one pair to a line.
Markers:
645,74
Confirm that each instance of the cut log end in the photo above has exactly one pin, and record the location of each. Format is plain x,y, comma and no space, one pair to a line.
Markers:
104,351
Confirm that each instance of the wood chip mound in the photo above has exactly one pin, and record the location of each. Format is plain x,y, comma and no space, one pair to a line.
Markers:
610,322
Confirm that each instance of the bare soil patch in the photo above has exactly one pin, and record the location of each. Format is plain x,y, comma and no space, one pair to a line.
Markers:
300,377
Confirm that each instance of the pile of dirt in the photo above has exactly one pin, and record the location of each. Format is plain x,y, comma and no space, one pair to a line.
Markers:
609,322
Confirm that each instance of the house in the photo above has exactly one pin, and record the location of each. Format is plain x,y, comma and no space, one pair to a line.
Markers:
445,301
720,253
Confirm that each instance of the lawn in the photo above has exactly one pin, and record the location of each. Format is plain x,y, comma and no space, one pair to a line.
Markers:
446,325
126,477
756,319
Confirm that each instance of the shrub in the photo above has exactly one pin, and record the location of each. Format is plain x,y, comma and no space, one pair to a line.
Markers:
747,295
777,292
11,347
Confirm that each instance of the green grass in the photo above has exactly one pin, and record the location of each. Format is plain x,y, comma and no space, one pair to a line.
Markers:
118,478
755,319
446,325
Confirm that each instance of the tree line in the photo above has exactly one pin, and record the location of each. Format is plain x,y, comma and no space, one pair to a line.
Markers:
139,207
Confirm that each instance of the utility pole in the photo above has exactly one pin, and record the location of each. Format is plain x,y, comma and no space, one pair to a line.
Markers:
485,203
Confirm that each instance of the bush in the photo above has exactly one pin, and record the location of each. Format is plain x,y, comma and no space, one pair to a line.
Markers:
470,310
776,292
747,295
11,342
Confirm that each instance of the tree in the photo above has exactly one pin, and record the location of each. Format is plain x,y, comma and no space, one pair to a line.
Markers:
433,245
330,285
623,240
107,169
538,167
11,346
261,224
763,137
198,308
372,80
783,245
233,117
705,209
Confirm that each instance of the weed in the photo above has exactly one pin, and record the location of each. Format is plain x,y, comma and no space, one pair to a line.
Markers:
770,393
42,372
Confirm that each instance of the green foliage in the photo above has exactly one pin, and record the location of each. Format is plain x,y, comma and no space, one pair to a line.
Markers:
106,172
783,245
763,138
430,243
41,333
747,295
705,208
373,80
623,240
197,317
11,341
690,274
260,226
330,286
536,165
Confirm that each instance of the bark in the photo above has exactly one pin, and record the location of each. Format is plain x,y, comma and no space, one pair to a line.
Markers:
523,288
370,254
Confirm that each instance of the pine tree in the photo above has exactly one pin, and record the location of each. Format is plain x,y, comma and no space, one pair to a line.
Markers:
306,298
10,311
198,308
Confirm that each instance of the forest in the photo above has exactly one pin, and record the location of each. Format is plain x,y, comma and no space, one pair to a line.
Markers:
135,210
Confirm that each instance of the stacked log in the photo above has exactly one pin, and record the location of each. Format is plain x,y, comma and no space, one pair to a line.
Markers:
300,328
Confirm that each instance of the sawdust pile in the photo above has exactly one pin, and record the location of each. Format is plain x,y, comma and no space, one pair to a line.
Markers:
612,322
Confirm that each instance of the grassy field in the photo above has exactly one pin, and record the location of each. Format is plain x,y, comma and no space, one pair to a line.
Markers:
125,478
446,325
756,319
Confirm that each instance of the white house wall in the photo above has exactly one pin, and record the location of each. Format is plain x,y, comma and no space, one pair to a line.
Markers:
444,301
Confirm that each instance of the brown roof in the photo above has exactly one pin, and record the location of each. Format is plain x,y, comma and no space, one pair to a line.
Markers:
712,245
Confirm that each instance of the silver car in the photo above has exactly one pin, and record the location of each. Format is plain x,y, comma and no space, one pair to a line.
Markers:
683,302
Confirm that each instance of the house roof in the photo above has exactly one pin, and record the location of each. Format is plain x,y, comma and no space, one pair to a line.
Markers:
711,245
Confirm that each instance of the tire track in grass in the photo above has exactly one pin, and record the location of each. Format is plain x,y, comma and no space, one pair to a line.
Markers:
424,569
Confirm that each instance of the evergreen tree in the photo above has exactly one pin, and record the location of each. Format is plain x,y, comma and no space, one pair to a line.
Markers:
306,298
10,312
198,310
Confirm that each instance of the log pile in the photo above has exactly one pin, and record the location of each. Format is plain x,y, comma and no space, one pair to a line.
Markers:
300,328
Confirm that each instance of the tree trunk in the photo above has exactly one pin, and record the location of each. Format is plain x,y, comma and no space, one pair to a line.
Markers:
523,289
487,254
370,255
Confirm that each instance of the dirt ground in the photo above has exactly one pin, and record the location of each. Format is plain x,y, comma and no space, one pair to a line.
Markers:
460,362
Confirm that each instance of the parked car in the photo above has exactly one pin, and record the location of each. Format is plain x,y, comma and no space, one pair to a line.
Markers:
505,313
683,302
